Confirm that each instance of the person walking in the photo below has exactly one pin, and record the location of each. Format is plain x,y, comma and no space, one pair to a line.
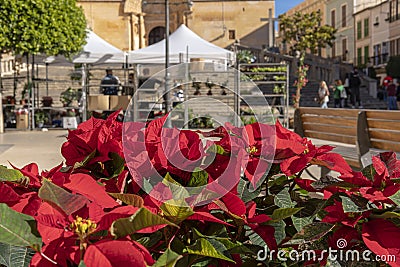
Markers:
323,94
339,94
355,83
391,96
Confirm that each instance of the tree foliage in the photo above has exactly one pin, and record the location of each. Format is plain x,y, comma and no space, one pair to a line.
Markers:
304,31
53,27
393,67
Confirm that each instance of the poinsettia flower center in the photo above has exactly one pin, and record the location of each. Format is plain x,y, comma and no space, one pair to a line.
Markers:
252,150
83,227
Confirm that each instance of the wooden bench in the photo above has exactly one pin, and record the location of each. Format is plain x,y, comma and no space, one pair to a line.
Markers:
365,132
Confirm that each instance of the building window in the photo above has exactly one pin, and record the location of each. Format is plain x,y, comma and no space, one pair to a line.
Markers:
232,34
333,50
366,27
344,49
333,18
377,54
366,54
157,34
392,48
359,56
359,32
344,16
385,54
398,47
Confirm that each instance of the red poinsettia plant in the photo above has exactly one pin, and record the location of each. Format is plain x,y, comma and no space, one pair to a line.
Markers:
135,194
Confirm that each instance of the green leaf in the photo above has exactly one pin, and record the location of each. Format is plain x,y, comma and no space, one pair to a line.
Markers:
178,191
13,256
167,259
387,215
299,223
66,201
283,213
199,178
204,248
176,210
11,175
149,240
396,198
279,233
217,149
369,172
311,233
255,239
118,164
350,206
143,218
129,199
283,200
246,191
82,264
18,229
84,162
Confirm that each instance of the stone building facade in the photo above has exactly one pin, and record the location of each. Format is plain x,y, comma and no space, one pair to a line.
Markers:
134,24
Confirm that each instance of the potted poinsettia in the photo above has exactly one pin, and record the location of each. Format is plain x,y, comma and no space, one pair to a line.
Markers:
142,195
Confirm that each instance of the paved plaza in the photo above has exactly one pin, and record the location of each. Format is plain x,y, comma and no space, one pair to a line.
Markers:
23,147
44,148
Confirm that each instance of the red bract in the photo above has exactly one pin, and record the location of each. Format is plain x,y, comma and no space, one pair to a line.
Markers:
99,135
382,237
315,156
110,253
337,215
350,234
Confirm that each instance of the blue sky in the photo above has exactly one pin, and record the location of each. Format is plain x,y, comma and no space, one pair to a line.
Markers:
281,6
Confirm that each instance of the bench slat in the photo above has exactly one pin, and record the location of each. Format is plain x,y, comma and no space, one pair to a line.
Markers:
384,124
351,131
384,135
383,114
331,137
333,122
388,146
330,112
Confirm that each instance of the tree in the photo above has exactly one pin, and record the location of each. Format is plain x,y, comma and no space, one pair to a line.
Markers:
304,33
393,67
52,27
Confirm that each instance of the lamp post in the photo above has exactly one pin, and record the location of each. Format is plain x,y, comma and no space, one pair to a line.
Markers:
167,99
166,92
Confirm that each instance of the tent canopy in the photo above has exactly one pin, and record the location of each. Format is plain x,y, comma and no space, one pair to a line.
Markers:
181,42
95,51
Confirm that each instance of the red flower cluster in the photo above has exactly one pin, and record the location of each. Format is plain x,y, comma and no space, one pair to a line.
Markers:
136,194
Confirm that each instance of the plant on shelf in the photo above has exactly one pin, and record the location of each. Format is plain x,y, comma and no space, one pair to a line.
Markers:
47,101
26,92
40,118
69,96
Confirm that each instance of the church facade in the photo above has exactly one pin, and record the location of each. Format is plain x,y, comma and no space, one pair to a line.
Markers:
134,24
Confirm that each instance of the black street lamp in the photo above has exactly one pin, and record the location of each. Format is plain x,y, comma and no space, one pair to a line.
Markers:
167,98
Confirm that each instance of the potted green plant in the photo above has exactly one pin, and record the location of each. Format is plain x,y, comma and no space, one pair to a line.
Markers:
40,118
26,91
69,96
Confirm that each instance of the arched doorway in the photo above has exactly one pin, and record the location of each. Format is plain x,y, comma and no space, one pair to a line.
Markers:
157,34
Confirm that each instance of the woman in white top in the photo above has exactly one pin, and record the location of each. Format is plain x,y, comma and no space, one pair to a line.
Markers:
323,93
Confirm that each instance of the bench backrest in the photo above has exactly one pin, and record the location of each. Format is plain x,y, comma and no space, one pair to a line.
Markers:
384,129
337,125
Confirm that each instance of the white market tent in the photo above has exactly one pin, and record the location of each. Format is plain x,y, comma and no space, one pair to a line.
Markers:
95,51
181,42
